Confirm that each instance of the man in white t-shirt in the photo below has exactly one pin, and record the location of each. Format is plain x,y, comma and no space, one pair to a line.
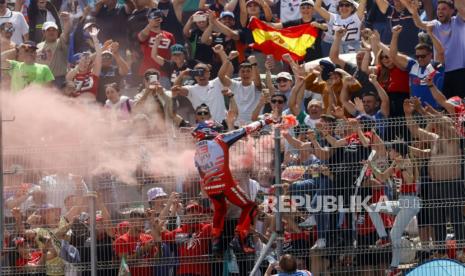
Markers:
247,90
289,10
205,91
21,28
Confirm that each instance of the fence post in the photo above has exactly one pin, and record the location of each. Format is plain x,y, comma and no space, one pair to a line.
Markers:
277,191
93,241
2,203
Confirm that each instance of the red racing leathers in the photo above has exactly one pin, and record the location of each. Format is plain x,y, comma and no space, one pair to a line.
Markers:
212,162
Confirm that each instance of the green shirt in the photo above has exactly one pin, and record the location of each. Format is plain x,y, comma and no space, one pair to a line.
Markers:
23,74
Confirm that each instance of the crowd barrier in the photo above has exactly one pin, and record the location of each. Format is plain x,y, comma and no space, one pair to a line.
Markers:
117,174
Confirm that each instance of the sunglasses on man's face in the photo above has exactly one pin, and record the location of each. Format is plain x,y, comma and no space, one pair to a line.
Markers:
420,56
281,80
277,101
203,113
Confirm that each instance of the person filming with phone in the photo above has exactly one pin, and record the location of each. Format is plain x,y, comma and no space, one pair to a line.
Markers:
152,101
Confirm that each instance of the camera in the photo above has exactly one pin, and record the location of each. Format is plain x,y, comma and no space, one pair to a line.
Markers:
197,72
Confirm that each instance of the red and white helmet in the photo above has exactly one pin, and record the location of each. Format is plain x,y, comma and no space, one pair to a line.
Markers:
207,130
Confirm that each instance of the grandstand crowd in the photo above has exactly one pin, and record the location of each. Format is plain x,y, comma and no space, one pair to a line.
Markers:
378,100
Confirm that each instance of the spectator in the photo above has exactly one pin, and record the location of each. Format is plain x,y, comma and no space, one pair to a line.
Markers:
199,51
28,199
330,83
172,18
119,105
309,116
137,21
246,91
356,70
153,102
29,260
193,240
349,17
444,145
408,205
391,78
286,10
375,105
25,73
283,81
204,91
112,17
277,102
288,265
306,16
85,75
39,12
317,182
80,40
114,68
448,29
345,158
419,69
259,9
147,38
225,34
20,26
53,51
398,15
378,21
6,33
135,245
178,62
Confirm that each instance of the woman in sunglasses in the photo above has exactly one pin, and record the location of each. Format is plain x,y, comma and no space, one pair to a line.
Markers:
350,17
391,78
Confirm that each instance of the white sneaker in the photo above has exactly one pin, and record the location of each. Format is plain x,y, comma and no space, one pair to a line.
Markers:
319,244
309,222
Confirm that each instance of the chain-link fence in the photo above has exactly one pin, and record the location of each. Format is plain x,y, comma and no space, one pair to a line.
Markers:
352,202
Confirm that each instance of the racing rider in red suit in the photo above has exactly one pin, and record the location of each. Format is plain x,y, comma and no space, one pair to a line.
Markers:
212,162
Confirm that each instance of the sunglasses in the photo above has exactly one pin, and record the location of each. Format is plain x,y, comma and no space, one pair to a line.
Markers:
203,113
347,5
282,80
420,56
277,101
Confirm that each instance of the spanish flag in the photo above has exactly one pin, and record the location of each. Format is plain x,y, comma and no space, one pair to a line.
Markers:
293,40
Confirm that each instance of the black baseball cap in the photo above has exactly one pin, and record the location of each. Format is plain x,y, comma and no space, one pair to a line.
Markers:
154,13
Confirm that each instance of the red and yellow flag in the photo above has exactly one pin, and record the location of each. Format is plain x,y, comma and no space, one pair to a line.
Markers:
293,40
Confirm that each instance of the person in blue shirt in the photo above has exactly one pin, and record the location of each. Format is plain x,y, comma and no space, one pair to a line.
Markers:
420,68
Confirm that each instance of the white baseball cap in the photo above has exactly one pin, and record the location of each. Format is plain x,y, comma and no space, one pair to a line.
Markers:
49,24
284,75
155,192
